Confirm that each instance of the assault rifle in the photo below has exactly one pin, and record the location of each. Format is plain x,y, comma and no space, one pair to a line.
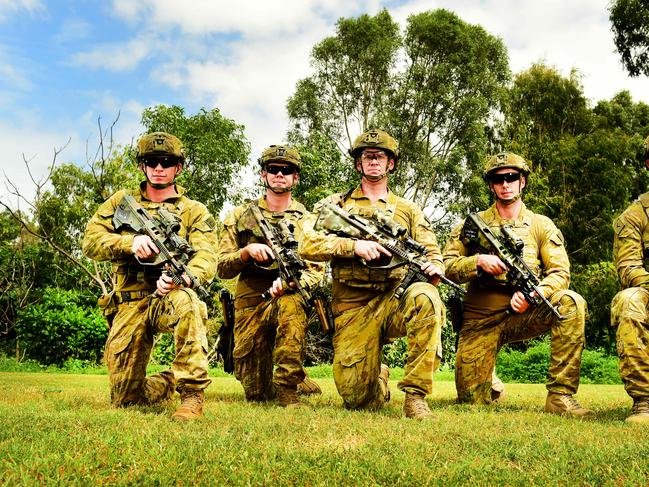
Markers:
393,237
509,248
175,251
282,243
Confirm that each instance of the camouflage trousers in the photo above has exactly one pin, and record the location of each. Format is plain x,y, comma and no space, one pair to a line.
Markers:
362,331
480,341
629,313
130,341
271,333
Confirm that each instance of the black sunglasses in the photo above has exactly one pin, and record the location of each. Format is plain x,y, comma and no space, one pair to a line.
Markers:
165,161
285,170
510,177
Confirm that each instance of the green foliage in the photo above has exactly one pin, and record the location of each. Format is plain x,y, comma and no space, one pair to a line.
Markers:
597,283
64,325
216,150
585,163
395,354
531,366
63,211
323,172
630,25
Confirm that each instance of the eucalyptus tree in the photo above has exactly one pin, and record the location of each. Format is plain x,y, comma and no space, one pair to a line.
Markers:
433,86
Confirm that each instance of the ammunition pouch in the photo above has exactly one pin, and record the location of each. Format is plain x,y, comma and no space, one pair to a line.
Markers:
107,303
353,270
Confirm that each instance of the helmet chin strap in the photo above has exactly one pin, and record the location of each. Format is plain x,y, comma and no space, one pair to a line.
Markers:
276,189
373,178
158,185
512,200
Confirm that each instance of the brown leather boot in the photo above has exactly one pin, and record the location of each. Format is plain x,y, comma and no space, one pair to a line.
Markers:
191,406
308,387
640,411
565,405
416,407
384,376
287,397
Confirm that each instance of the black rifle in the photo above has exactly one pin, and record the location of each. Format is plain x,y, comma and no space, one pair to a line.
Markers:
282,243
509,248
175,251
393,237
225,346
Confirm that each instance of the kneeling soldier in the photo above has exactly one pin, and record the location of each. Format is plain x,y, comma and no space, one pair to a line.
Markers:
136,314
497,312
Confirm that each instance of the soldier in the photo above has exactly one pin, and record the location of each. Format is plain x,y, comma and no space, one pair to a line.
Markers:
629,310
133,312
268,331
367,314
495,313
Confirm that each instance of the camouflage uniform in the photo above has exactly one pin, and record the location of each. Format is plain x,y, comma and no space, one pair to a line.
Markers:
266,332
134,322
367,315
489,322
629,310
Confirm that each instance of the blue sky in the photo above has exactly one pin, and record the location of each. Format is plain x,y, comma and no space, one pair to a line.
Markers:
65,63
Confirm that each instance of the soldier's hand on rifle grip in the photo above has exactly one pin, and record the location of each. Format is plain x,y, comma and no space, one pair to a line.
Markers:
519,303
277,289
433,271
369,250
165,284
143,247
491,264
258,252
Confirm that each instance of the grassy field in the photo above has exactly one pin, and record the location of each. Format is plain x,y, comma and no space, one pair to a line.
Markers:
60,429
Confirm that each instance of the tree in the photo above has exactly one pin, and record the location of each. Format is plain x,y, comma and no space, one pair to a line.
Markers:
630,26
433,88
216,150
584,162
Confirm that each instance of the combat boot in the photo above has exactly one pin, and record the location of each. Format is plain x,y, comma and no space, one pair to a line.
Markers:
416,407
384,376
308,387
287,397
640,411
191,406
565,405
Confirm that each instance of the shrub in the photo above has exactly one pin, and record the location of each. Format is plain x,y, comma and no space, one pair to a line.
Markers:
63,325
394,355
531,366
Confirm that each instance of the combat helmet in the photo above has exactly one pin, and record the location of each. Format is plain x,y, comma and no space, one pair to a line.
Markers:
160,144
375,139
280,153
506,160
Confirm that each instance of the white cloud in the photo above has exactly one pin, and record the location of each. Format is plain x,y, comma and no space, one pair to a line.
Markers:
566,35
277,17
35,139
120,56
74,30
35,145
11,7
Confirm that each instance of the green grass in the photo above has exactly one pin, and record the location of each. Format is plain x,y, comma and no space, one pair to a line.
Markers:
60,429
